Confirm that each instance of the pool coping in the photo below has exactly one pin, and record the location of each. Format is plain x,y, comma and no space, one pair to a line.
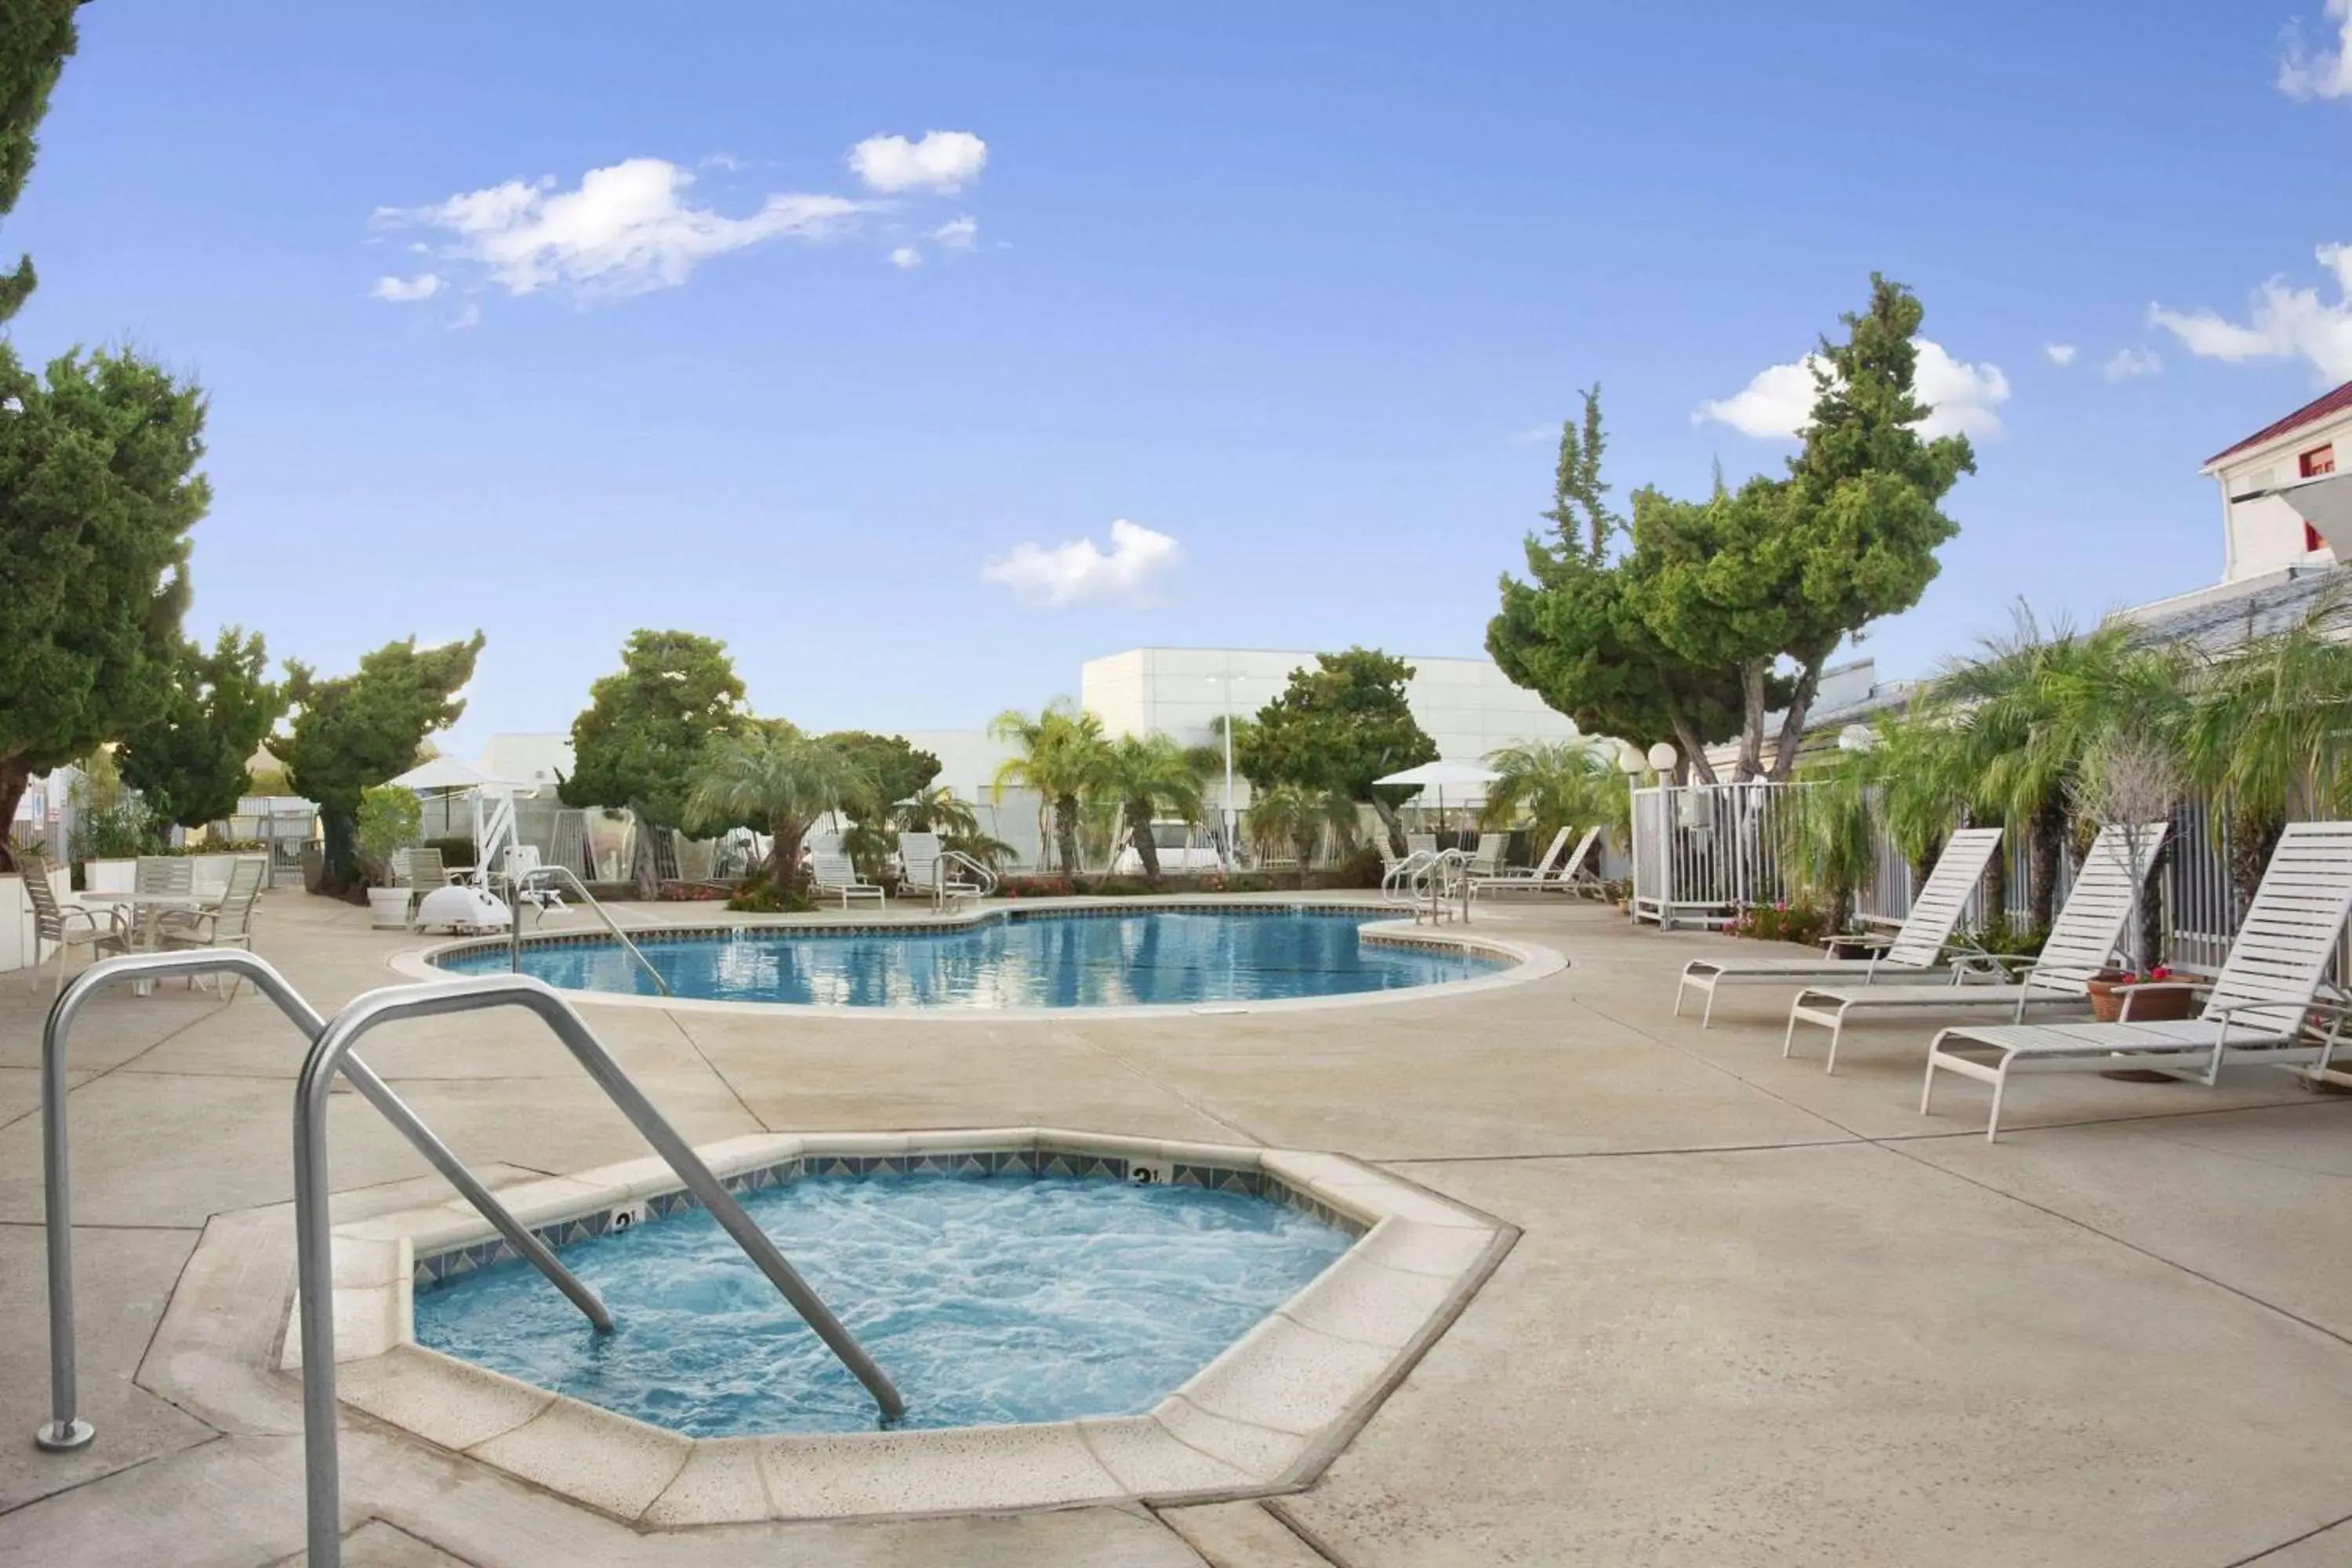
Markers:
1528,961
1264,1416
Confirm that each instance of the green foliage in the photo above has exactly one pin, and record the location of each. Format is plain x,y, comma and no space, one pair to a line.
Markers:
1292,819
933,808
1146,776
356,731
779,780
756,895
1797,922
1789,568
639,743
1827,836
387,821
98,492
1552,784
110,823
898,770
1573,632
35,37
189,759
1059,753
1336,727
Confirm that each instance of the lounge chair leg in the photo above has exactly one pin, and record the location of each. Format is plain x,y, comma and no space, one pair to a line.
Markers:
1927,1089
1999,1083
1680,986
1835,1030
1706,1019
1788,1035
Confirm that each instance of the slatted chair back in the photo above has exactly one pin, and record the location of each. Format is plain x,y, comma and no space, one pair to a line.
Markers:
424,868
233,925
48,917
164,874
2281,954
1574,865
1942,897
2090,925
1420,844
1488,859
1551,856
832,868
918,856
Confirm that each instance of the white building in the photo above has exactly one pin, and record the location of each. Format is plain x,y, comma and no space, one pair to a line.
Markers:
1466,705
2261,532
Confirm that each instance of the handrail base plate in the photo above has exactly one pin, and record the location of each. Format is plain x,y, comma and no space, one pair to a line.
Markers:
54,1439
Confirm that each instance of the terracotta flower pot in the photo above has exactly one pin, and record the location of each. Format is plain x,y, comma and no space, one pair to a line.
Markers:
2168,1004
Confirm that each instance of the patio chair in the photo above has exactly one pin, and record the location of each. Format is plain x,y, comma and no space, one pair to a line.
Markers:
831,871
421,872
1487,859
2083,941
2259,1008
1915,951
67,926
1519,879
229,923
163,874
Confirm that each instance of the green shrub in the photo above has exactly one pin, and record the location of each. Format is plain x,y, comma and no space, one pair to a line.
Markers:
388,821
1997,935
756,895
1798,922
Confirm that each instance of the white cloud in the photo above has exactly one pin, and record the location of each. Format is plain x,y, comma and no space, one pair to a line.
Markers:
2324,72
2286,323
626,229
1078,569
1777,403
905,257
958,234
406,290
937,161
1533,434
2130,364
2058,353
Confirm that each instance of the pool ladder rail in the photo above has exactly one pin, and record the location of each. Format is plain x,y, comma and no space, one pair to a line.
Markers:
333,1042
522,878
956,875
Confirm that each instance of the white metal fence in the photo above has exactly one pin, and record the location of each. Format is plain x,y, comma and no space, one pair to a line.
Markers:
1702,853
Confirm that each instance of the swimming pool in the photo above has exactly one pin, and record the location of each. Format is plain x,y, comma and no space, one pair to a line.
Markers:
1018,958
988,1300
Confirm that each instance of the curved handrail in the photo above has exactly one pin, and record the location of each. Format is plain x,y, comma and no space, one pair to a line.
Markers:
517,880
64,1432
983,887
314,1258
1446,878
1404,877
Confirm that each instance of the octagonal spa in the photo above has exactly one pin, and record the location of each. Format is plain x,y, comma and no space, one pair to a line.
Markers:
1070,1318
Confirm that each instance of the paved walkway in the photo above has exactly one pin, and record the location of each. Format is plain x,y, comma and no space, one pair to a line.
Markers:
1760,1315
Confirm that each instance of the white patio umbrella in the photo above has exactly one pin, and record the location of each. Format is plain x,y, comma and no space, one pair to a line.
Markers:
1440,776
447,775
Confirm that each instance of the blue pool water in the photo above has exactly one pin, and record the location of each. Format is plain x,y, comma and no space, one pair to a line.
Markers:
986,1300
1026,961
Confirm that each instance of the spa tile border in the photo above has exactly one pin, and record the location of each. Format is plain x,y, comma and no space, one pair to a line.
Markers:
1264,1416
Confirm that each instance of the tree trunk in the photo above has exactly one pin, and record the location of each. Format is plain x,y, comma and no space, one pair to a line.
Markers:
2048,830
1694,751
1792,722
1139,830
336,830
1751,726
784,838
646,883
13,778
1066,831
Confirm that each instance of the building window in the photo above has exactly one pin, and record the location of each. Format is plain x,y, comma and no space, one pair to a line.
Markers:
2319,460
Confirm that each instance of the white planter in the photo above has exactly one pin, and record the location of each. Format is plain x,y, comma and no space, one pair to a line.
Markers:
388,908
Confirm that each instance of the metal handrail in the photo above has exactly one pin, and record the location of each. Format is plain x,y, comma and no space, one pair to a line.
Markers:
314,1265
64,1432
941,885
1406,877
1447,875
515,883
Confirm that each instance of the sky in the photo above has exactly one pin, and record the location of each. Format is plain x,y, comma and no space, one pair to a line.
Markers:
922,352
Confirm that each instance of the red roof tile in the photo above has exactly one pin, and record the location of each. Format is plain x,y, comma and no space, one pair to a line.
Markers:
2311,413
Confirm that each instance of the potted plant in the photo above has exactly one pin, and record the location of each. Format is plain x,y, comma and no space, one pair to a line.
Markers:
389,820
2175,998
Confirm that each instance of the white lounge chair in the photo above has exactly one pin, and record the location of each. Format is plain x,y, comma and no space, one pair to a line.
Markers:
1486,861
833,872
1521,875
2083,941
2258,1008
521,861
923,868
1550,874
1915,951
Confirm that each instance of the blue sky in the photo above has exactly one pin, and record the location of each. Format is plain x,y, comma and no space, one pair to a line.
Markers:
1301,288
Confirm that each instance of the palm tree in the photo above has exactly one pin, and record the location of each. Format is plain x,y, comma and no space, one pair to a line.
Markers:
1556,784
1060,756
1147,776
777,776
2266,734
1829,838
935,809
1288,816
2026,714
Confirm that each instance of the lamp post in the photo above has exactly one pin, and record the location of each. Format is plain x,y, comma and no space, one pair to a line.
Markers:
1226,844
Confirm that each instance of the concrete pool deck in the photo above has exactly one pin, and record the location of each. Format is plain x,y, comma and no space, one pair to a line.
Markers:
1757,1314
